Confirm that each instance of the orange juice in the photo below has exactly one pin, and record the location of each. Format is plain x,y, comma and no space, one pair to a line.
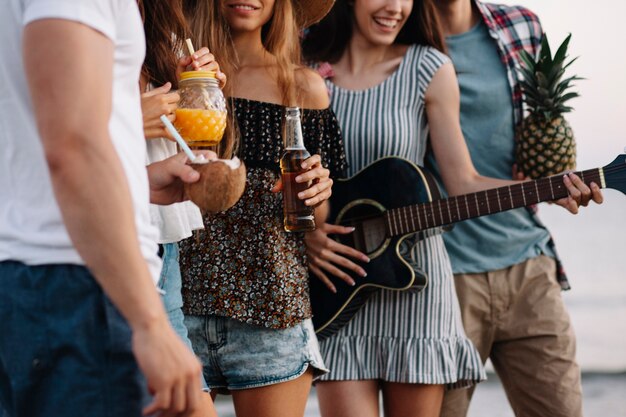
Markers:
200,127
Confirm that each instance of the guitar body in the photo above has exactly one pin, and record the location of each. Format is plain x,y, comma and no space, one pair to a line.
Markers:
359,202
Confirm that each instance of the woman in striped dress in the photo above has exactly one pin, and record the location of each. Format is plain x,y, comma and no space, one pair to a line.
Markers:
392,89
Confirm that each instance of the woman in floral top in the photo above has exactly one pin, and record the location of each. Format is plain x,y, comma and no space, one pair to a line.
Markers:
245,280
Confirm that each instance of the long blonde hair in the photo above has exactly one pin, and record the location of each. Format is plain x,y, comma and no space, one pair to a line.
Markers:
280,37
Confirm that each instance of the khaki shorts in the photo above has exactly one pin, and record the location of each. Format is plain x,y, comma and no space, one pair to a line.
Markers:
517,318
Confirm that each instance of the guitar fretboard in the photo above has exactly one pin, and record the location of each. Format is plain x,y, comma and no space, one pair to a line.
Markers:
415,218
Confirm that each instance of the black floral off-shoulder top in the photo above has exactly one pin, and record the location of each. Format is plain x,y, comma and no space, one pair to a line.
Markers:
244,265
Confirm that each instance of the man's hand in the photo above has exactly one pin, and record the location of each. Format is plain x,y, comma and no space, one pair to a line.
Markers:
579,193
168,177
171,370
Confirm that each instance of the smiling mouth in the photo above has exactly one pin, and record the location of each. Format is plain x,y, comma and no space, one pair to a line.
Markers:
245,7
388,23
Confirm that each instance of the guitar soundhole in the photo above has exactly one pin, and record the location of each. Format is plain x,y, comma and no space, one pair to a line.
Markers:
370,235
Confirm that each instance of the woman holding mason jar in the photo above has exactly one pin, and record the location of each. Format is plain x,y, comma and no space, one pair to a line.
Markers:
165,28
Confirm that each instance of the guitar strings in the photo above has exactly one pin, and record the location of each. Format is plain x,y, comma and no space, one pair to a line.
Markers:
465,204
515,191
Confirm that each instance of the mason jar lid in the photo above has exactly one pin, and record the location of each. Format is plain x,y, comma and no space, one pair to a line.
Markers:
187,75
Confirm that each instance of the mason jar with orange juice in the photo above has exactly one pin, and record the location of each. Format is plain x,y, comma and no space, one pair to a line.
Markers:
201,113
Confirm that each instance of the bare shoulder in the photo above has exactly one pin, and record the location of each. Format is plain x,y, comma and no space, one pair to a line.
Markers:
313,89
443,85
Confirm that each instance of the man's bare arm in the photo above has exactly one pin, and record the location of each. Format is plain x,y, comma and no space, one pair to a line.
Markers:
70,68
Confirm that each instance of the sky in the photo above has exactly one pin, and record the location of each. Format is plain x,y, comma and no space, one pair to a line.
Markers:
593,243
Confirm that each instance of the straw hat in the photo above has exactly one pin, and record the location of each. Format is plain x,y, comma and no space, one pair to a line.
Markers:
309,12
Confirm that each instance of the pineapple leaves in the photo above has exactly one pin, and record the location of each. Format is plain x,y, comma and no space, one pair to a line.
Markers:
561,52
545,49
542,81
527,59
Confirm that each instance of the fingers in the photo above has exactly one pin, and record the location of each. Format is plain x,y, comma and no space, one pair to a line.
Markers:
321,186
165,88
278,186
178,400
204,60
221,78
329,255
157,132
337,229
317,193
160,401
333,270
195,396
577,189
177,167
518,175
596,193
322,277
312,161
338,247
569,204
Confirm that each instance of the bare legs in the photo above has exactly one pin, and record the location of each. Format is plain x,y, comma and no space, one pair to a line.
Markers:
287,399
361,399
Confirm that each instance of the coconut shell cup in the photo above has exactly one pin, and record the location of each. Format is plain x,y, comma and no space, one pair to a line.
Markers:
220,186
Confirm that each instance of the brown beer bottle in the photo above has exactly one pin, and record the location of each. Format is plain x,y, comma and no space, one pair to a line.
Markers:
297,216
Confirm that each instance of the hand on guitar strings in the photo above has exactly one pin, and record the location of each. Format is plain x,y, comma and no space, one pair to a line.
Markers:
579,193
326,254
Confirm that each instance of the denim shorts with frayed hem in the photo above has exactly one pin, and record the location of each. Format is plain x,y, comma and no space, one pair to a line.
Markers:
65,350
238,356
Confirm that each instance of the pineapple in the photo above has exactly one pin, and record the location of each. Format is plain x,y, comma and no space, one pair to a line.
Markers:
545,141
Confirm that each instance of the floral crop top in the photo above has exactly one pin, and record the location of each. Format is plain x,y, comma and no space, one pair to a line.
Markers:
244,265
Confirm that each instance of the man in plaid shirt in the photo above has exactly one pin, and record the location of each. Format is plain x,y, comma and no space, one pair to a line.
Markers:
507,273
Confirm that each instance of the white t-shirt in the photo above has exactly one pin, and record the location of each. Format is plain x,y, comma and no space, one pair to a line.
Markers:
176,221
31,227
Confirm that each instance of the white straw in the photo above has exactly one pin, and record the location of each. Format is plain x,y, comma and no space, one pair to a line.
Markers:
170,127
190,46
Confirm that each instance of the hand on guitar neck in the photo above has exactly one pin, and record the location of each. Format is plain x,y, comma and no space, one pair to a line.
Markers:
579,194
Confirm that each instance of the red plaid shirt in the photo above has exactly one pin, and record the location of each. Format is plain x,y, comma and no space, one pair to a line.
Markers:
515,28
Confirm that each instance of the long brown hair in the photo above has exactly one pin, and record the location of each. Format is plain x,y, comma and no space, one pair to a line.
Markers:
328,40
166,29
280,37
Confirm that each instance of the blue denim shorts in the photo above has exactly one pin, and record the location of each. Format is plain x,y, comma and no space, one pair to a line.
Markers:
238,356
65,350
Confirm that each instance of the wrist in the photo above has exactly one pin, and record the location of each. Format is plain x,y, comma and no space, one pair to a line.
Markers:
148,321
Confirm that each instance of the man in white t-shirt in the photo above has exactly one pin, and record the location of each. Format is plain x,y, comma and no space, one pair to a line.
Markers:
76,242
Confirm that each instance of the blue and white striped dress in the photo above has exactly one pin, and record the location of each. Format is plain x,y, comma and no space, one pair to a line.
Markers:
406,336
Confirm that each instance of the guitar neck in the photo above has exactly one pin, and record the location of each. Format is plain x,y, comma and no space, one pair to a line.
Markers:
415,218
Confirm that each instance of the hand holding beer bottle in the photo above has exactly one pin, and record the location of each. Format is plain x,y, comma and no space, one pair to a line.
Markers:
306,183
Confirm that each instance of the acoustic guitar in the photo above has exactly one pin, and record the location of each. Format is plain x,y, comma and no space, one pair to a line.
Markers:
391,200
